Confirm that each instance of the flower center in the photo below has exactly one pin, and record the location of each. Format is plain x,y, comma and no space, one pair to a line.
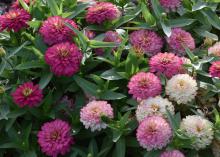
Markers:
95,110
144,82
152,128
155,107
165,60
58,25
199,128
54,135
12,15
181,83
27,92
63,53
217,67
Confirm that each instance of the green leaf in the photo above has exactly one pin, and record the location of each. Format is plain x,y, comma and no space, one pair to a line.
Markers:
24,5
166,28
205,33
147,15
120,148
52,4
87,86
212,17
18,49
158,10
180,22
77,10
93,148
30,65
29,154
110,95
4,111
2,66
45,79
101,44
111,75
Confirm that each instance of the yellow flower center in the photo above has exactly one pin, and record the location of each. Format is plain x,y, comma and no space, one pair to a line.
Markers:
155,107
27,92
54,135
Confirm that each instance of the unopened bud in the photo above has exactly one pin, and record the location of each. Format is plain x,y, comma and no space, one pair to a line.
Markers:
2,52
208,42
2,90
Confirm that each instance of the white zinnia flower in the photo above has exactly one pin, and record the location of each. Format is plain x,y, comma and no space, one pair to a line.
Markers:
181,88
199,128
154,106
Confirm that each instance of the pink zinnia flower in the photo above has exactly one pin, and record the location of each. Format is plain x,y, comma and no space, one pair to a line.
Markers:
101,12
170,5
64,59
55,31
27,94
166,63
214,70
154,132
16,4
110,36
90,115
215,49
55,138
15,19
146,41
172,153
144,85
178,39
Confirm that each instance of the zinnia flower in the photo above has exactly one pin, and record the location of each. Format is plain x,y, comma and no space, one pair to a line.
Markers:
64,59
166,63
154,132
181,88
178,39
170,5
214,70
144,85
146,41
101,12
198,128
215,50
55,31
15,19
154,106
172,153
55,138
90,115
27,94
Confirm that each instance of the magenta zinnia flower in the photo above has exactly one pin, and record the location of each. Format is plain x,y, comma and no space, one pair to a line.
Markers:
170,5
144,85
154,132
27,94
55,138
64,59
214,70
15,19
166,63
178,39
55,31
90,115
146,41
172,153
101,12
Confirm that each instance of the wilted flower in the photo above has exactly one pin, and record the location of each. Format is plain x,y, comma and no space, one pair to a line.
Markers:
144,85
154,106
101,12
90,115
154,132
166,63
215,49
27,94
198,128
55,138
178,39
181,88
64,59
15,19
146,41
172,153
55,31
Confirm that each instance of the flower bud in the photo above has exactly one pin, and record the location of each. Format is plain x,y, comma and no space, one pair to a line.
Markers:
2,90
2,52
